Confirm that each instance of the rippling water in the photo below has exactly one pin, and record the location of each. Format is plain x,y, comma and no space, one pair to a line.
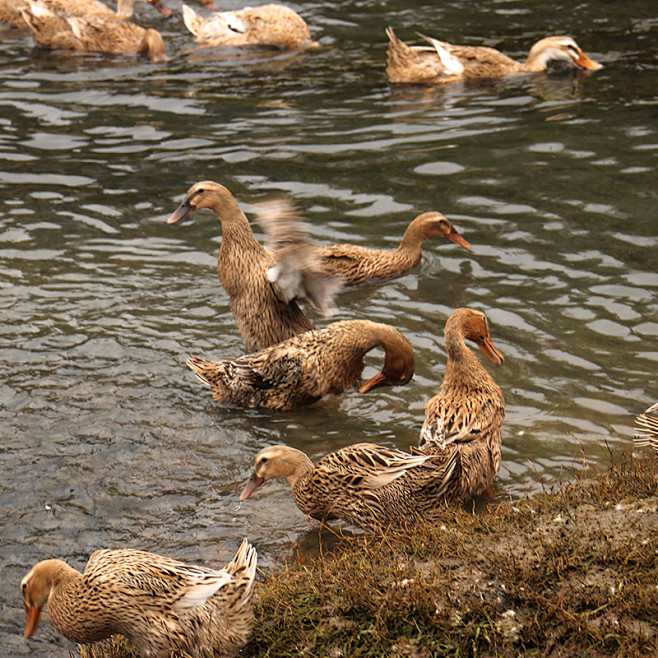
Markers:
107,438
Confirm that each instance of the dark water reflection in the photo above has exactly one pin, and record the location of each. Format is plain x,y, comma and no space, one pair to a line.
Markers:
107,438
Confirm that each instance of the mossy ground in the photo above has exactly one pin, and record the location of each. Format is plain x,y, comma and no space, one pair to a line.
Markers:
570,572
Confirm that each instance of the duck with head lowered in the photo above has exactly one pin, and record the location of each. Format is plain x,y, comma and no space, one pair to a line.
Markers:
163,606
441,62
465,419
302,369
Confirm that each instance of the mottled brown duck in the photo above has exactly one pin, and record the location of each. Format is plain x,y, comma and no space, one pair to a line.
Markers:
442,62
161,605
367,485
117,37
265,315
355,264
10,10
466,417
302,369
268,25
648,423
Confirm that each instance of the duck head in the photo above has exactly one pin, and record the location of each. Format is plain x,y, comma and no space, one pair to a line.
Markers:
560,48
473,325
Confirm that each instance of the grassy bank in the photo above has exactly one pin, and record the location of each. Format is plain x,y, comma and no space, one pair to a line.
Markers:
569,572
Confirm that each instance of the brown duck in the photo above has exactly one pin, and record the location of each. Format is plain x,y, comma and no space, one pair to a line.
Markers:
302,369
268,25
442,62
263,310
466,417
355,264
57,31
648,424
10,10
161,605
367,485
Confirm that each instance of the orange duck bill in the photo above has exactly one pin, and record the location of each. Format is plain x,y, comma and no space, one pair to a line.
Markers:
33,614
453,236
251,486
584,62
378,380
161,7
183,210
490,351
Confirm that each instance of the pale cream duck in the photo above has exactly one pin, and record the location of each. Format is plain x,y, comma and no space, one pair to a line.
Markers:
10,10
57,31
370,486
161,605
442,62
465,419
268,25
265,312
302,369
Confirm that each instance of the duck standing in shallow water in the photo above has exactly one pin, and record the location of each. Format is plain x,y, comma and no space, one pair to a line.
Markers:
466,417
355,264
58,31
264,314
367,485
442,62
269,25
161,605
302,369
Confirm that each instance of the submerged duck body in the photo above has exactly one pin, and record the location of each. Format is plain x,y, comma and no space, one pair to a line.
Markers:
161,605
117,37
466,417
265,315
302,369
269,25
11,10
367,485
442,62
355,264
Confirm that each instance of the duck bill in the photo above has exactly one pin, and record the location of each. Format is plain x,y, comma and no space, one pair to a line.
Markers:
33,614
252,485
453,236
161,7
374,382
491,352
183,210
584,62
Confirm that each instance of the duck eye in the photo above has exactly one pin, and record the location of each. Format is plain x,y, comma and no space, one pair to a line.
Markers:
23,586
263,460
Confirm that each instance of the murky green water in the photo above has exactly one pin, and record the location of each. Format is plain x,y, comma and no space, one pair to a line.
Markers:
107,438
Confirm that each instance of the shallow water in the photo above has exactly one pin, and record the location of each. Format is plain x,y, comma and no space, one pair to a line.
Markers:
107,438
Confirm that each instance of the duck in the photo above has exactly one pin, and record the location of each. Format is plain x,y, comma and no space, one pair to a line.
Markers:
162,606
57,31
370,486
466,417
10,10
301,370
266,313
272,25
356,264
442,62
648,423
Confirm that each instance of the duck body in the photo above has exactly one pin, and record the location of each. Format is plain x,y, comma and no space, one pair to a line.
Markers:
117,37
269,25
442,62
648,424
302,369
263,314
355,264
370,486
466,417
10,10
161,605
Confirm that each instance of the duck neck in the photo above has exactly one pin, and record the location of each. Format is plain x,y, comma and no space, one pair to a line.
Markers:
462,366
410,246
